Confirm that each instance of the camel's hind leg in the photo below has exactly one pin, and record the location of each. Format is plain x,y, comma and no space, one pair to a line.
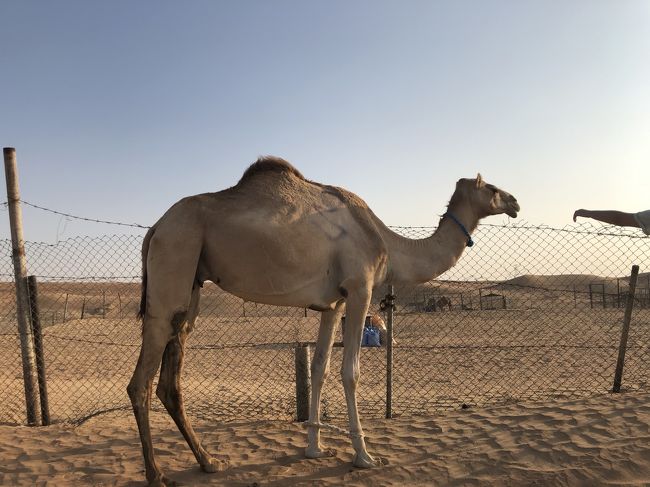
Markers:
171,263
320,367
155,336
169,388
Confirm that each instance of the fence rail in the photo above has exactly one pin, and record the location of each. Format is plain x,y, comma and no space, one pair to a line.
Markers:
529,312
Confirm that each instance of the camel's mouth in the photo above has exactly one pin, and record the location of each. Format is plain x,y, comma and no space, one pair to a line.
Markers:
512,209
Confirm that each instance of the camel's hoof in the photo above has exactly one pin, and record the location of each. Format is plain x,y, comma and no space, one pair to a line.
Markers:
366,461
212,465
319,452
162,481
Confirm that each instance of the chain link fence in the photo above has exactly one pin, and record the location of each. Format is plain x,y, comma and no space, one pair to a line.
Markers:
528,313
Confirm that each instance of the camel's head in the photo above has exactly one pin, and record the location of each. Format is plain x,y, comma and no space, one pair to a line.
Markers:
487,199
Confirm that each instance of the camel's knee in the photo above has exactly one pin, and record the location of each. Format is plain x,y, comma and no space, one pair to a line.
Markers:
320,370
137,392
317,382
350,377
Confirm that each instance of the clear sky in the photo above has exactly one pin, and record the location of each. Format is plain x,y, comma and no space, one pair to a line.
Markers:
118,109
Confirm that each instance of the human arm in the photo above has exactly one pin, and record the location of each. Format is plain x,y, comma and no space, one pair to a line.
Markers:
613,217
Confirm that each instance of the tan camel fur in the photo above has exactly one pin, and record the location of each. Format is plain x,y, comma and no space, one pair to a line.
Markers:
278,238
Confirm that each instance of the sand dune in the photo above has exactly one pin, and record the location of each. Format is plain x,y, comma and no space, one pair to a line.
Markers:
561,281
603,440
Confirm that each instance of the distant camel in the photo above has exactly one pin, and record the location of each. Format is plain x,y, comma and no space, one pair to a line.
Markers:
443,302
439,304
278,238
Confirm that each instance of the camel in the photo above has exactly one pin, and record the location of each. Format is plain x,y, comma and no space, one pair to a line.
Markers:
280,239
439,304
443,302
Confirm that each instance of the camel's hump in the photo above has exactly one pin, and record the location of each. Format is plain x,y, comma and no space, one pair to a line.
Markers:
279,166
269,164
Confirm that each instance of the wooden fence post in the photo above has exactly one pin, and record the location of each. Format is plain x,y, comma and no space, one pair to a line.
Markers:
303,381
22,299
618,375
65,307
38,345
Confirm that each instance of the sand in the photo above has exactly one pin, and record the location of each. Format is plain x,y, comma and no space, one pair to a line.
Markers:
238,367
550,360
602,440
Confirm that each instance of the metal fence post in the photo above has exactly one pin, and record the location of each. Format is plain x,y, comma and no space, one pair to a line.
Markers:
618,375
38,345
390,306
303,381
20,275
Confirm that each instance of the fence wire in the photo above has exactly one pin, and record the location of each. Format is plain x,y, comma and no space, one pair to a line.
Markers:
527,313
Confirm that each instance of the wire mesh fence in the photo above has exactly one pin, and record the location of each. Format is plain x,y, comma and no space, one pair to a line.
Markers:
527,313
535,313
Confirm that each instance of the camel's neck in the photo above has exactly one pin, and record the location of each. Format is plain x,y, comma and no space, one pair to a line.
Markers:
424,259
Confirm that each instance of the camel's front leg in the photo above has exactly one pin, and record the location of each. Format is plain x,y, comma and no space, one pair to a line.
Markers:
320,366
358,301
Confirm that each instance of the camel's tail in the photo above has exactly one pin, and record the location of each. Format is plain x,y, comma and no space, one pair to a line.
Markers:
143,296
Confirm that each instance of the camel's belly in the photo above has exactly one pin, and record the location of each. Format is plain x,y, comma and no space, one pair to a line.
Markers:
301,298
267,266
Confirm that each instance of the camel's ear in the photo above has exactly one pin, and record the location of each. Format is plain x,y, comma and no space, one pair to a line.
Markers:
479,181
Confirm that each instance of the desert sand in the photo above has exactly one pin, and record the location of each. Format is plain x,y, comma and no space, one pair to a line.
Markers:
535,377
602,440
